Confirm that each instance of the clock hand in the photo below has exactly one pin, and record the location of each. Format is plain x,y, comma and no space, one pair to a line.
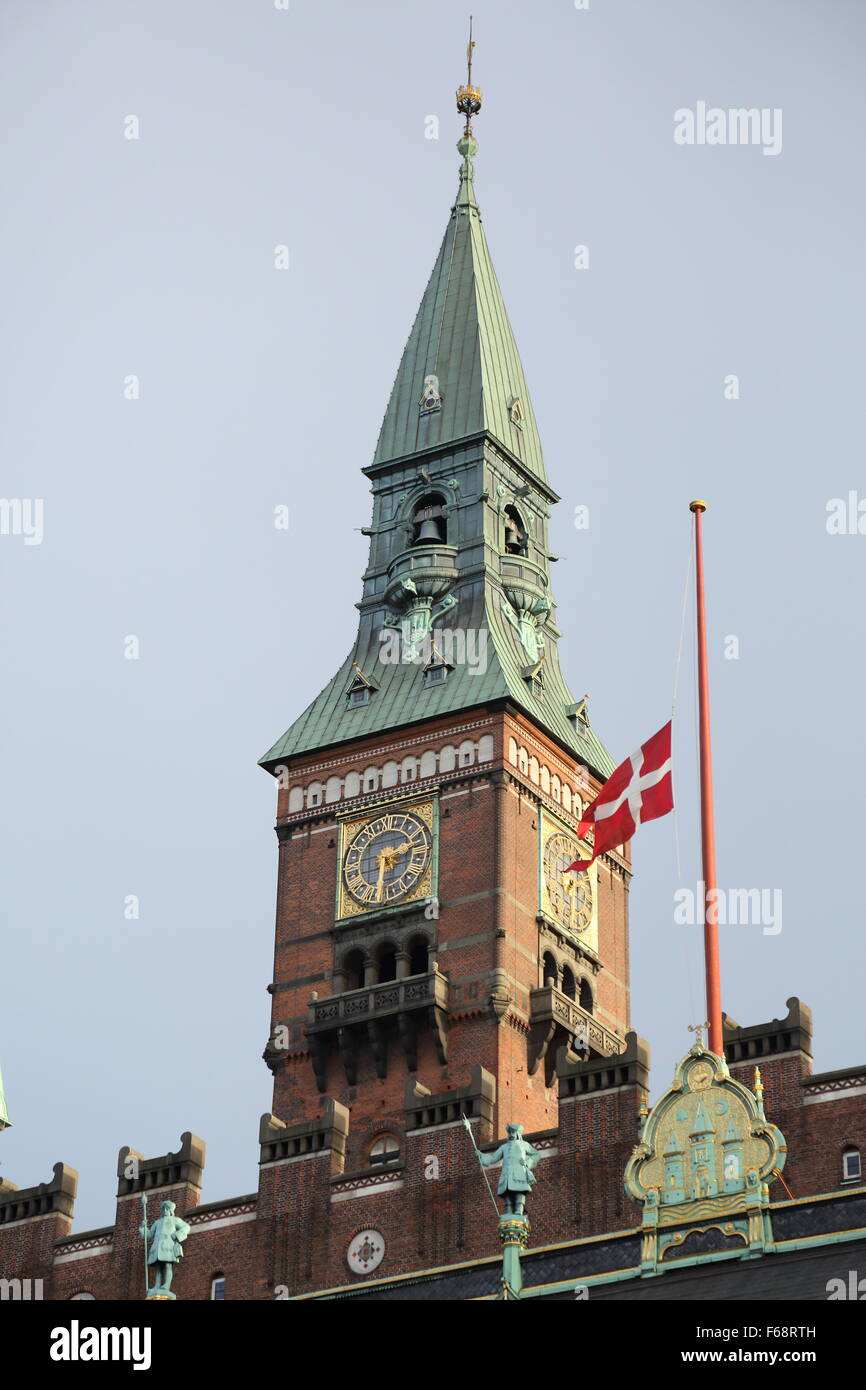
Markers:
381,860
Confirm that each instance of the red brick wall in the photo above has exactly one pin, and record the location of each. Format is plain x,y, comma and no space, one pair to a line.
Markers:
488,892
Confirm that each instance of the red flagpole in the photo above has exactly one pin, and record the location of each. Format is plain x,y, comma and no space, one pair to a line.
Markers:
708,839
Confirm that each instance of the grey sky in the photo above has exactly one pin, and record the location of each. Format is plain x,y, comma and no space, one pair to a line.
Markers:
260,387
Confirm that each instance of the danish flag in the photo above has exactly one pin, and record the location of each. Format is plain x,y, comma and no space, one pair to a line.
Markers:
641,789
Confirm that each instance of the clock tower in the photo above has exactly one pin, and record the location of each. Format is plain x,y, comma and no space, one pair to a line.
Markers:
431,941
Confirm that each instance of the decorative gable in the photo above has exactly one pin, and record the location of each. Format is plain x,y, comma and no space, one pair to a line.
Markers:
703,1166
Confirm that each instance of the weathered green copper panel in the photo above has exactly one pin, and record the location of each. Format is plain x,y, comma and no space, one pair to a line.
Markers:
463,336
482,463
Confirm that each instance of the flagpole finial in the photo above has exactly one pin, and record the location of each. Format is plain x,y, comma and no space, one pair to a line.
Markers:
468,97
697,506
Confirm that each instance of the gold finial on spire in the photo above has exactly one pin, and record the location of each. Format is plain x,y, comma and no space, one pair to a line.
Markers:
759,1087
699,1029
469,97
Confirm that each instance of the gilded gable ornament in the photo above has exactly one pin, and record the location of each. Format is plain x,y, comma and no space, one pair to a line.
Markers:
703,1166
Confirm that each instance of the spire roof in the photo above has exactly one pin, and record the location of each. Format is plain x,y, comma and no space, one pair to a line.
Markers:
463,337
459,533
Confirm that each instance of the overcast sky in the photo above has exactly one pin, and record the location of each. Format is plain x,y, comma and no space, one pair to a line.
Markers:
154,257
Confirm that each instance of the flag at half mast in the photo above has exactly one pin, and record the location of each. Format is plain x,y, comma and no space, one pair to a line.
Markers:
640,789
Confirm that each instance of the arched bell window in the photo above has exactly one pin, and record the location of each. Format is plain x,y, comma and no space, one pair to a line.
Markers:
419,956
353,970
548,970
429,524
386,961
568,985
515,532
585,998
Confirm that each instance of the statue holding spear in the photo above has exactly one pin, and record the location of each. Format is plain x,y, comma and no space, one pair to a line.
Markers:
518,1158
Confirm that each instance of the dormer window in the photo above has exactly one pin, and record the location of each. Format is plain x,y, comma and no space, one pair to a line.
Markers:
358,692
515,532
437,668
431,396
429,526
579,712
534,677
515,412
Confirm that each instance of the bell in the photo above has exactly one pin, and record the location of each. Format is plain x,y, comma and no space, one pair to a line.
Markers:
428,532
513,539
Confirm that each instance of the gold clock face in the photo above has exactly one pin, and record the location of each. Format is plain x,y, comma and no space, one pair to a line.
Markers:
569,894
386,859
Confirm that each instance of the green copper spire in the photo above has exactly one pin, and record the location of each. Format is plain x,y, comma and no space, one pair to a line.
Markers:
462,338
457,611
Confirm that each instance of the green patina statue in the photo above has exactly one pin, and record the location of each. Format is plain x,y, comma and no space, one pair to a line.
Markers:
165,1236
518,1158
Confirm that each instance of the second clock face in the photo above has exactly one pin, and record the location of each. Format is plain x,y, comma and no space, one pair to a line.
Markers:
569,894
386,859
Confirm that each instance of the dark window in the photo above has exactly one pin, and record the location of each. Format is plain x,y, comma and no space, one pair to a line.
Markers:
851,1165
218,1287
585,996
418,956
568,986
387,961
548,970
353,969
359,696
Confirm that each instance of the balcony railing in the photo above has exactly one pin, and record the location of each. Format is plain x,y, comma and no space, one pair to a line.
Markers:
361,1013
554,1018
378,1001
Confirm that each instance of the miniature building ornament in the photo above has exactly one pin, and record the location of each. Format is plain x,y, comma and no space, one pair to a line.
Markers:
701,1170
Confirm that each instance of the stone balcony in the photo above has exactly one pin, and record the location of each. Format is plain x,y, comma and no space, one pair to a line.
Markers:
555,1021
372,1016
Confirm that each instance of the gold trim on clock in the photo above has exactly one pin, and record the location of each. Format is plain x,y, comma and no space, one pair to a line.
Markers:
566,898
387,858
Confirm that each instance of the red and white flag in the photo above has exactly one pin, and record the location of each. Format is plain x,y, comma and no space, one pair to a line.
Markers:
641,789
